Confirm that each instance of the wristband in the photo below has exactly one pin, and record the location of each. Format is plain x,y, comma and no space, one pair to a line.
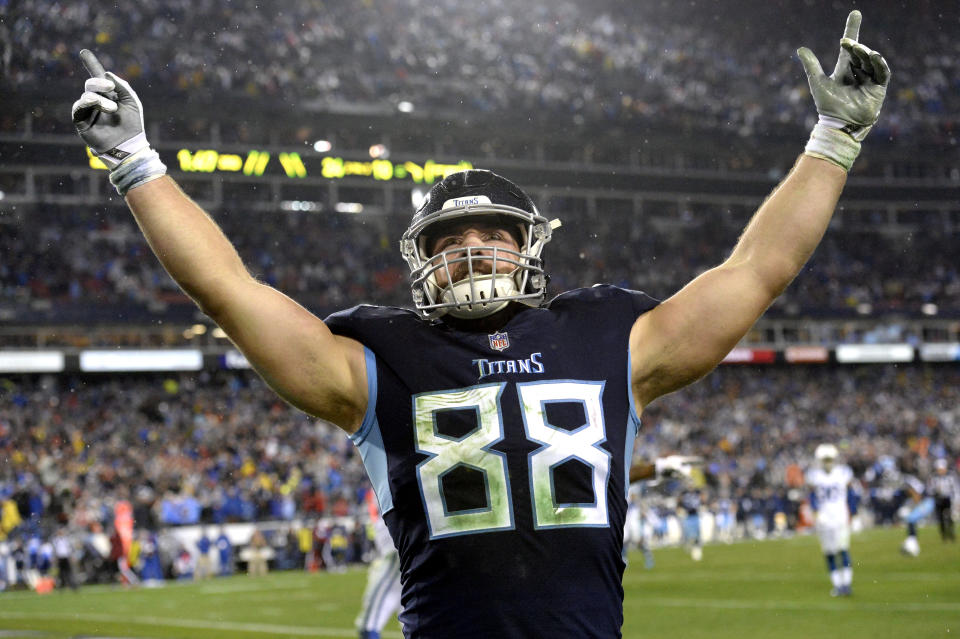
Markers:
832,143
140,168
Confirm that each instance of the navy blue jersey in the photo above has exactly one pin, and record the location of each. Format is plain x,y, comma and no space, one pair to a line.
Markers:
500,462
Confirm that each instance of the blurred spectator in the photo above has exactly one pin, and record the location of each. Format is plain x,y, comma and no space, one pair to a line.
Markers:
678,64
64,552
224,553
871,269
257,554
204,563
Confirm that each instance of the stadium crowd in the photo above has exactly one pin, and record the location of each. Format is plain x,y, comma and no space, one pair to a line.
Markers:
668,63
220,447
70,261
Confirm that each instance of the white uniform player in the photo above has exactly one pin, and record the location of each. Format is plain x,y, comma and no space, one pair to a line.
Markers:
381,598
633,528
829,483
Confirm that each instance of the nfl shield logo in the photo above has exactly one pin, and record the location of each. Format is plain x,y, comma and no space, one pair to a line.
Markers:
499,341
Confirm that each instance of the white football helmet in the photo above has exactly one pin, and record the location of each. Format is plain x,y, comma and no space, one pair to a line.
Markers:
826,454
485,195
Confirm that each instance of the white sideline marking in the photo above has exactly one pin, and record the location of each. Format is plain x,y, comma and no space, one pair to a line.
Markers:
209,587
232,589
646,577
235,587
826,606
265,628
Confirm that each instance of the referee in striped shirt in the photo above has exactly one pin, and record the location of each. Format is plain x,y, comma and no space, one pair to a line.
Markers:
944,489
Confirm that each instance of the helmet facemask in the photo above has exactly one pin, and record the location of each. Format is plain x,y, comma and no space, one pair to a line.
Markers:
475,286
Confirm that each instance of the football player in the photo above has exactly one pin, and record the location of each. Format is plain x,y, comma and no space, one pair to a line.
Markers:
645,475
381,597
829,486
944,488
918,505
688,505
496,426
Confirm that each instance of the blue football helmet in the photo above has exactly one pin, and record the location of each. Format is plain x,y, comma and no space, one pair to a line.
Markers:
485,196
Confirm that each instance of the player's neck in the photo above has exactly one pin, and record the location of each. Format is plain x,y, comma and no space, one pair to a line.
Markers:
485,324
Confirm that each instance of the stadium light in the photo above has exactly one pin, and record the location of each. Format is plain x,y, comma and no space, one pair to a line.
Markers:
379,151
940,352
874,353
322,146
300,205
101,361
349,207
416,197
31,361
234,359
405,107
929,309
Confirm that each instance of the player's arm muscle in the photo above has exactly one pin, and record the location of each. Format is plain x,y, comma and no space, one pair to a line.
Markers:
686,336
292,349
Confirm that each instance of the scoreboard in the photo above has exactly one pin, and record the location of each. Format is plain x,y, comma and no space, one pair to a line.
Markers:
257,162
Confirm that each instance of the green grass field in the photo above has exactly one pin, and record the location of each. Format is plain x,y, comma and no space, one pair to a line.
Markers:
758,589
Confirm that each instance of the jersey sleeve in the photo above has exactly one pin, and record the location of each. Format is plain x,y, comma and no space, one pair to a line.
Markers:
606,297
367,324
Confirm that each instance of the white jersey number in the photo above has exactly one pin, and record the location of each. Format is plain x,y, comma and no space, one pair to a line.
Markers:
472,450
558,446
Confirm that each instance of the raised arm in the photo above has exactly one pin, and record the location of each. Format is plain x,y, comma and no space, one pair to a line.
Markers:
293,350
689,334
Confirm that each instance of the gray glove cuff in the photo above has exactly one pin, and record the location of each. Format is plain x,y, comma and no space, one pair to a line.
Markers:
140,168
123,151
832,144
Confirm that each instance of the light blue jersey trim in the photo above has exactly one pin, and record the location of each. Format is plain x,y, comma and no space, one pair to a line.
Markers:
370,416
633,426
369,440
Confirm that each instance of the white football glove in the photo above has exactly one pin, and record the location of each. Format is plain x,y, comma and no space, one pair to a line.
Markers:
676,466
109,118
848,101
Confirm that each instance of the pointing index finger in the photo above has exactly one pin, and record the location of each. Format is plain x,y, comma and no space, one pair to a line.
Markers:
852,29
91,64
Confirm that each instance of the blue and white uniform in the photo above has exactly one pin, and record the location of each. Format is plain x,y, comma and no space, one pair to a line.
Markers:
500,463
381,597
829,489
921,505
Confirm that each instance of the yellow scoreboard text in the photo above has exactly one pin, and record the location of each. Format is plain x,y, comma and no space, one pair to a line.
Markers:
256,162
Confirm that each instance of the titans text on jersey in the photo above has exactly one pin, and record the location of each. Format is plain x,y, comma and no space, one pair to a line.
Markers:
500,463
530,365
